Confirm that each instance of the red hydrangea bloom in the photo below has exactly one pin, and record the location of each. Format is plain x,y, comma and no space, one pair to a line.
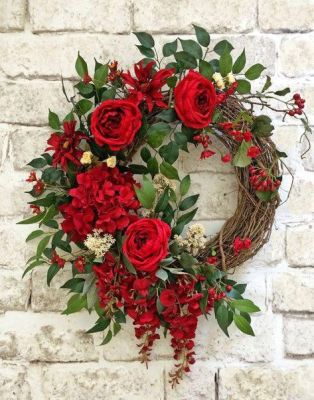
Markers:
168,297
65,145
147,85
103,199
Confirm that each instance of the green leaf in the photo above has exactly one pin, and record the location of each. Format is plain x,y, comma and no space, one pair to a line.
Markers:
162,274
157,133
254,72
81,66
51,212
109,94
107,338
116,328
168,115
33,219
51,175
185,60
245,306
191,47
206,69
34,264
187,261
185,185
243,324
240,287
225,63
100,76
241,158
162,202
202,36
188,202
222,317
262,126
45,201
52,272
172,81
244,86
38,163
169,48
223,46
267,84
75,285
146,193
83,106
169,171
239,63
85,90
119,316
145,51
75,304
128,265
145,154
145,39
187,217
281,154
169,152
282,92
99,326
152,166
54,121
42,245
138,169
34,235
266,196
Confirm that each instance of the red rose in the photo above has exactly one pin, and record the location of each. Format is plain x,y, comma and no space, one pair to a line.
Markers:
195,100
115,123
146,243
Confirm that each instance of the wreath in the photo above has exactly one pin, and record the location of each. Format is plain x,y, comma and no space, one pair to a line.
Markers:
122,227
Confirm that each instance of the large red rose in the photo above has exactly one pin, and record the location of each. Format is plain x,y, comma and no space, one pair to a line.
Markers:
195,100
115,123
146,243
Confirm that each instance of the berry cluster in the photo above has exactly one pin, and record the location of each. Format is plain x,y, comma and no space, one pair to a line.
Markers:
237,135
299,103
262,181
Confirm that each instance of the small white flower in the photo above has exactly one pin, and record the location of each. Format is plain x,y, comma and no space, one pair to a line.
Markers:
218,79
111,161
194,241
98,243
161,183
230,78
86,158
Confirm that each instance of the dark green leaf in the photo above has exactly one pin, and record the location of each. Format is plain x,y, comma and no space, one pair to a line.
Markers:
191,47
282,92
107,338
145,51
241,158
225,63
145,154
83,106
33,219
100,77
266,196
223,46
243,324
116,328
188,202
146,193
169,171
244,86
75,285
206,69
34,235
152,166
52,271
145,39
169,152
119,316
32,265
138,169
169,48
81,66
75,304
42,245
168,115
187,217
202,36
38,163
162,202
99,326
157,133
185,185
162,274
254,72
172,81
245,306
109,94
185,60
128,265
239,63
222,317
54,121
267,84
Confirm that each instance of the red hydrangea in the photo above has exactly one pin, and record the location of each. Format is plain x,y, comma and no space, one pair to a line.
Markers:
103,199
66,145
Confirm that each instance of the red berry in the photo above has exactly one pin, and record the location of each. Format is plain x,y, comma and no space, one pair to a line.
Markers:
291,113
296,96
298,111
228,288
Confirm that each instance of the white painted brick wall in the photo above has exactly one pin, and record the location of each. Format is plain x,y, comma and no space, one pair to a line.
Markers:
44,355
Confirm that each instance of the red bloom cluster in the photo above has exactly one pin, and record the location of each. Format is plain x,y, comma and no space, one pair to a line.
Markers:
79,264
262,181
66,145
147,85
104,199
56,259
241,244
39,185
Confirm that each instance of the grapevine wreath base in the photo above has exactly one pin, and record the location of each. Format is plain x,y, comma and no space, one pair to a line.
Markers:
123,228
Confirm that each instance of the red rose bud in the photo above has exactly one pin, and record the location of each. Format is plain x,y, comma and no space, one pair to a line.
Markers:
206,154
168,297
226,158
195,100
253,152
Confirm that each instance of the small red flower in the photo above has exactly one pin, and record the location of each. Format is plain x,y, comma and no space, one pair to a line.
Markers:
168,297
32,177
142,285
147,85
79,264
207,154
253,152
35,209
226,158
56,259
39,187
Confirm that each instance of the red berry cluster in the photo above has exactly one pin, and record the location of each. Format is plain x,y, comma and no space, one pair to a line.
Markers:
241,244
237,135
262,181
203,140
299,103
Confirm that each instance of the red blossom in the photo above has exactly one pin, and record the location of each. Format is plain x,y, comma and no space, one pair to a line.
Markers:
168,297
39,187
79,264
147,85
104,199
65,145
32,177
35,209
56,259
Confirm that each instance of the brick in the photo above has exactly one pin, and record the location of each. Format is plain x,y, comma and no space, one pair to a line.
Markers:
48,337
49,298
91,16
298,336
198,384
12,15
62,54
300,246
264,383
13,382
14,292
308,160
34,142
293,292
113,381
15,200
210,341
218,195
300,202
280,15
13,247
222,17
32,100
300,48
